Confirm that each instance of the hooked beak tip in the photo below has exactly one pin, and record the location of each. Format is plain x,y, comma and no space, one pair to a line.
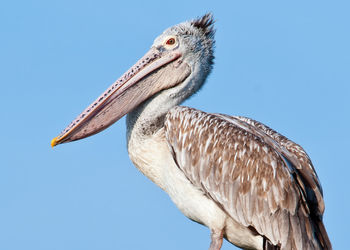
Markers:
54,142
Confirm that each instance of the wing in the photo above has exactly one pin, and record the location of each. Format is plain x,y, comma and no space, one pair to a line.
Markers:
259,177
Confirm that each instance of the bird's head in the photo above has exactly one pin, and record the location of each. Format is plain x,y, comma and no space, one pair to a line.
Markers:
180,58
194,40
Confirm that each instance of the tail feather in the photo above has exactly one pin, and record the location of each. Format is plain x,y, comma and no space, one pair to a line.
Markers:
323,236
313,236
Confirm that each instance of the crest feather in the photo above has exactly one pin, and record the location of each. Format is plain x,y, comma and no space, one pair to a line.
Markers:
205,24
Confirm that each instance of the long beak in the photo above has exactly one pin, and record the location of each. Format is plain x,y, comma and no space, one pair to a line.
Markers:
141,81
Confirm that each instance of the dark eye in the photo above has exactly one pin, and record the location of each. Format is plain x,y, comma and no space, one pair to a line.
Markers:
170,41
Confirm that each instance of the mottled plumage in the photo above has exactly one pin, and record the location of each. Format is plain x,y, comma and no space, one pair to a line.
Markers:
247,169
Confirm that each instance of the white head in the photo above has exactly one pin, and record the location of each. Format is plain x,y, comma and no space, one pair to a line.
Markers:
173,69
195,41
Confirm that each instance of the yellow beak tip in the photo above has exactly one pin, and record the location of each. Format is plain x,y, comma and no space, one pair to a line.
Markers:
54,142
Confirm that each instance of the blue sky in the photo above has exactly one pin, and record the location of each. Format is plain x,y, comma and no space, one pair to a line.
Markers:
284,64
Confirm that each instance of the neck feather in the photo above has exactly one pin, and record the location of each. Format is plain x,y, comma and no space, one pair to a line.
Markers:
148,117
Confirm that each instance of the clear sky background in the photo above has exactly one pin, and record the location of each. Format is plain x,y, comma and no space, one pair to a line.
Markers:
284,64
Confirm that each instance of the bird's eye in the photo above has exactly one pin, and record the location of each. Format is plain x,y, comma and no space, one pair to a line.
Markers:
170,41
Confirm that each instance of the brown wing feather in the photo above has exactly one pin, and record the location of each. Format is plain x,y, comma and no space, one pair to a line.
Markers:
252,172
303,165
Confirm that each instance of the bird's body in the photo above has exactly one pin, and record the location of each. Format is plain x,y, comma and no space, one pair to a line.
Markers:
241,179
151,155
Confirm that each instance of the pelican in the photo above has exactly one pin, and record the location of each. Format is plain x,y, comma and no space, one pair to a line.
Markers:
243,180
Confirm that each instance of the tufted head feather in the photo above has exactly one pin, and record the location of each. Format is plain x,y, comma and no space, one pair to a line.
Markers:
197,38
205,24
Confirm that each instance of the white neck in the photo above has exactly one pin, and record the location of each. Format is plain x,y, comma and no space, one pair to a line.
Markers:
148,117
